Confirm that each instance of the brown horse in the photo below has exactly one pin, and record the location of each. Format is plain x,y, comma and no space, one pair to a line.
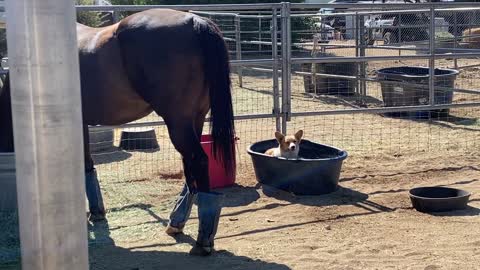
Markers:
171,62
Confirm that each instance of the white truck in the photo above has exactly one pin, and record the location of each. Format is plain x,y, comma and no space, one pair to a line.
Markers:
397,27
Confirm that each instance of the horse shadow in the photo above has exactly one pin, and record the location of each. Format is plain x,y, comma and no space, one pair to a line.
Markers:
341,196
238,195
112,154
107,255
243,196
470,211
456,123
448,121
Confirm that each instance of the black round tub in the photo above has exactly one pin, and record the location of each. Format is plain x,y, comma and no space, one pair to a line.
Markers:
315,172
438,199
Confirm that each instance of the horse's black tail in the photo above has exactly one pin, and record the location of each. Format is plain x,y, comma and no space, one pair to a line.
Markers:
217,77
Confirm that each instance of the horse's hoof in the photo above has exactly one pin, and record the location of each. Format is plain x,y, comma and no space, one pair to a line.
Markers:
201,251
172,231
96,217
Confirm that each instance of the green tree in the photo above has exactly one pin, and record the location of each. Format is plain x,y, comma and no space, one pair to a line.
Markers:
89,18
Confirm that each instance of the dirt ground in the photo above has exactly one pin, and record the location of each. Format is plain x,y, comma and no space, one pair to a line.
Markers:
367,224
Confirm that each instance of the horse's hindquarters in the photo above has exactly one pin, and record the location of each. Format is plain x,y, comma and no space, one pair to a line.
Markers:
108,96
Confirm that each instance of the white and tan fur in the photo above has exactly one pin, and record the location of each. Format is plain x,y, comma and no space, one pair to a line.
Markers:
288,147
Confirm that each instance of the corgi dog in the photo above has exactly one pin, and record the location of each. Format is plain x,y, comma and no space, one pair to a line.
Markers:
288,147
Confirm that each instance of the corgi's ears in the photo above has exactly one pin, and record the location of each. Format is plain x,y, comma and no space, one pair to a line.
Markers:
280,137
299,135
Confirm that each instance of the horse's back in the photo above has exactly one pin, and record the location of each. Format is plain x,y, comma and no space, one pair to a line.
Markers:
159,34
164,60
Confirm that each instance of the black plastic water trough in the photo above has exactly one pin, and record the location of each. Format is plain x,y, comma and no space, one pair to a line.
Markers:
438,199
315,172
405,95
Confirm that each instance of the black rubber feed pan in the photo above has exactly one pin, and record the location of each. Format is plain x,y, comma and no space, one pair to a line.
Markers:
438,199
315,172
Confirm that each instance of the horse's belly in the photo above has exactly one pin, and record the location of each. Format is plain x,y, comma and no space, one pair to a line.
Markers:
121,112
115,108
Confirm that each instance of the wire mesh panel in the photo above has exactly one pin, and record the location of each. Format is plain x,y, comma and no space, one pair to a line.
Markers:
373,133
360,80
338,78
410,45
123,154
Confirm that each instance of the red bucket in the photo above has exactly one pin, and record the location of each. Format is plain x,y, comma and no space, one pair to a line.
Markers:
218,175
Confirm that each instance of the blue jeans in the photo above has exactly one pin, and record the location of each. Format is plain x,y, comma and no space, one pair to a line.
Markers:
94,194
183,207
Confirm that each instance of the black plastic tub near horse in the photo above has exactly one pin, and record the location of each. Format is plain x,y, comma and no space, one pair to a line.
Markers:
395,95
315,172
438,199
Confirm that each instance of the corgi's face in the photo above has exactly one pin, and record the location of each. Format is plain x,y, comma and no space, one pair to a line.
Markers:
289,144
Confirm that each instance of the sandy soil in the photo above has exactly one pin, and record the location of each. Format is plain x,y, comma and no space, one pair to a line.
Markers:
367,224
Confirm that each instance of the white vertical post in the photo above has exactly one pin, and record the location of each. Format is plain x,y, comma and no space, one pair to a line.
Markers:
286,64
238,48
431,79
276,94
289,62
455,38
260,32
357,36
47,123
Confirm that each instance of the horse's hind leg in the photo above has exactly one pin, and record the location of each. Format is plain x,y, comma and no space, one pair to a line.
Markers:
94,194
186,140
183,206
